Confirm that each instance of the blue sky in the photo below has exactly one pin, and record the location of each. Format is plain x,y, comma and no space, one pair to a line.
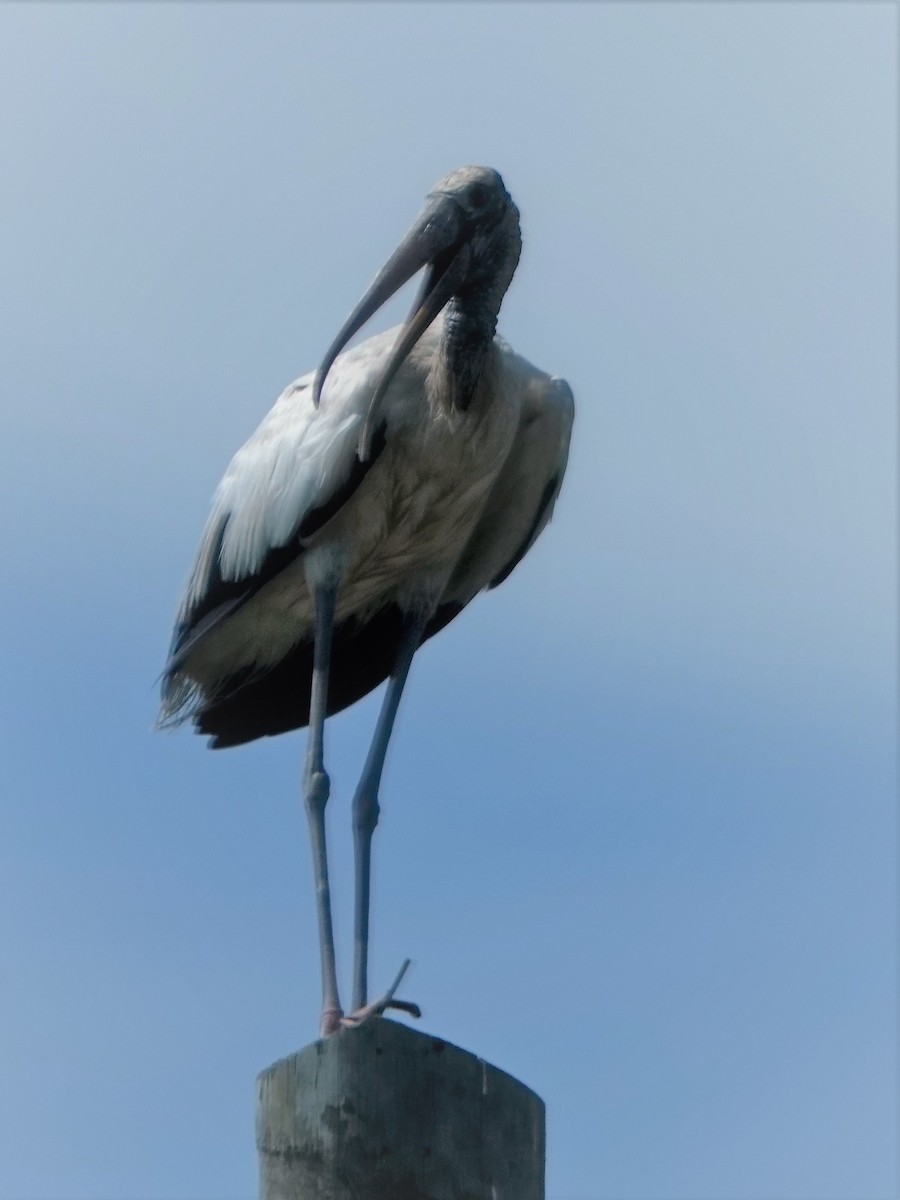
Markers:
639,824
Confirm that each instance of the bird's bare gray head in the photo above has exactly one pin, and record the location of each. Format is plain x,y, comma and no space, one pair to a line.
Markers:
468,238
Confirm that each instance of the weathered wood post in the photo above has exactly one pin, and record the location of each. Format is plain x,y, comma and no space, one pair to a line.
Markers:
384,1112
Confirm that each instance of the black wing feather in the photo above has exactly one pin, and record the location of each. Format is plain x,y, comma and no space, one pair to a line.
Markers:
262,705
546,498
223,597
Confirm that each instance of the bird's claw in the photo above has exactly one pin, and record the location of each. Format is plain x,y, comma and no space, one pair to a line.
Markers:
407,1006
377,1007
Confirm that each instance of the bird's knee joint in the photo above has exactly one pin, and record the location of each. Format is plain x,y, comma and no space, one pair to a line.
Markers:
318,789
365,813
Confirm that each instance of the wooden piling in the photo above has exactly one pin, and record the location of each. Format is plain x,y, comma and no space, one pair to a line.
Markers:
384,1112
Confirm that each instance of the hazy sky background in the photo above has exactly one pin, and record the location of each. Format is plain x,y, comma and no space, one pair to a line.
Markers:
638,829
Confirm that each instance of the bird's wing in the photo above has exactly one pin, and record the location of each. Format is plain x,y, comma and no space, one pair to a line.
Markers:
289,478
520,504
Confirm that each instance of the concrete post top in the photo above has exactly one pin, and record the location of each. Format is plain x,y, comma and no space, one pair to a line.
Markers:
397,1113
380,1037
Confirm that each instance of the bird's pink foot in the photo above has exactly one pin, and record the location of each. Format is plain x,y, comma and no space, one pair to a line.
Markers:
377,1007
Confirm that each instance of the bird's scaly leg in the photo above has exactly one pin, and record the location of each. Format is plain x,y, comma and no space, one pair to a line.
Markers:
365,818
316,791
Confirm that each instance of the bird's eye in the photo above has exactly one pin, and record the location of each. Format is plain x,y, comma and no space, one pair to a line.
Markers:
478,195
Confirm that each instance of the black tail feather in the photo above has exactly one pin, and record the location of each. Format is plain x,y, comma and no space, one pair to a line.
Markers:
262,705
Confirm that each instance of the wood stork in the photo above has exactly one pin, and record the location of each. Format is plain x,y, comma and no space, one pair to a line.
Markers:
375,500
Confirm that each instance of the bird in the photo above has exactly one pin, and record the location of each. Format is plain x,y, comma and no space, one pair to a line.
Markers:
378,497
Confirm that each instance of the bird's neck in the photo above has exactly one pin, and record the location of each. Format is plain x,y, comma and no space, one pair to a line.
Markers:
468,333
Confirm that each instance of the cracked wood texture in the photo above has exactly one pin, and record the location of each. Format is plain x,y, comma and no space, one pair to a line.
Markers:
384,1112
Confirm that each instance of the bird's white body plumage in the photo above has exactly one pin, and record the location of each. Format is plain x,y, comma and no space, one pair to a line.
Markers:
451,503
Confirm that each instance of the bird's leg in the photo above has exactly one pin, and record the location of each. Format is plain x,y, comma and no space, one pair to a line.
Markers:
365,814
316,789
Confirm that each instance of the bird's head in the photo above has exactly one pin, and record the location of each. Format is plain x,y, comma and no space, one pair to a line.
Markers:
468,238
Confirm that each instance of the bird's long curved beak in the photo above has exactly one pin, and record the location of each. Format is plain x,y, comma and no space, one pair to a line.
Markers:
435,241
